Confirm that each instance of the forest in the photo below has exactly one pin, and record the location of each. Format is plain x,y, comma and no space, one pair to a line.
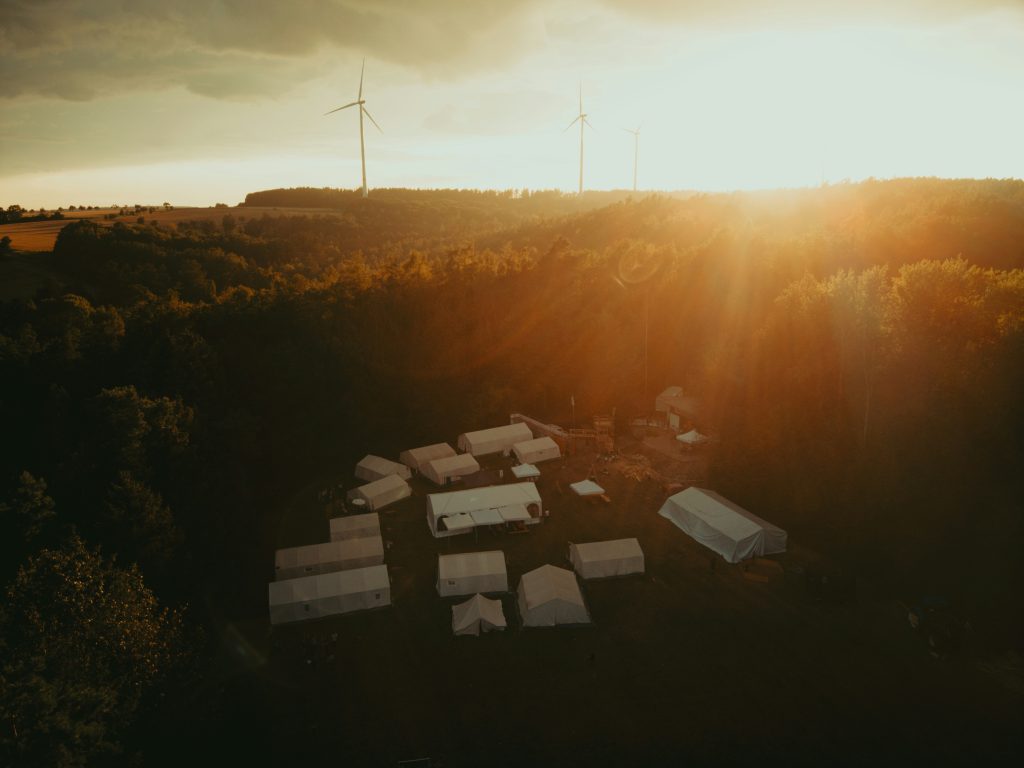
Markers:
858,350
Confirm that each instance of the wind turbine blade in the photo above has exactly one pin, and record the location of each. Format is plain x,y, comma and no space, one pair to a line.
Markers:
361,71
367,113
589,125
340,108
581,97
570,125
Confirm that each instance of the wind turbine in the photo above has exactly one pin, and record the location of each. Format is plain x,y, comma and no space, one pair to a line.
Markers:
361,102
636,151
581,118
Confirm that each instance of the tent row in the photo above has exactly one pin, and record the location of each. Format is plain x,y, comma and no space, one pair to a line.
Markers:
340,555
329,594
456,512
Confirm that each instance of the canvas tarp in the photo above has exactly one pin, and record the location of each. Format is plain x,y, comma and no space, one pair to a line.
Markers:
470,572
722,526
693,437
476,615
537,450
375,467
453,503
494,440
525,471
601,559
417,458
443,471
327,594
586,488
355,526
381,492
549,596
292,562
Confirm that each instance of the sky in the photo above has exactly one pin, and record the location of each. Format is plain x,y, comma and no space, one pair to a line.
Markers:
198,102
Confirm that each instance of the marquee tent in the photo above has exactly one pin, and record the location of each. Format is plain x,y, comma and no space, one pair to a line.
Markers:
493,440
444,471
536,450
455,508
417,458
722,526
375,467
549,596
601,559
476,615
381,492
342,555
586,488
355,526
327,594
470,572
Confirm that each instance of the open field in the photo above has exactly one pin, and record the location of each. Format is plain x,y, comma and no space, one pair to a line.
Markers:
688,662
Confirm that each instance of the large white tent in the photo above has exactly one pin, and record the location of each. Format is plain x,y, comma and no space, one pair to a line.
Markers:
292,562
327,594
476,615
494,440
381,492
601,559
536,450
375,467
469,572
444,471
549,596
461,511
722,526
355,526
417,458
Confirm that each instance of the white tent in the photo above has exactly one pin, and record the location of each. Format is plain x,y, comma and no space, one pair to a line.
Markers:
693,437
327,594
525,471
375,467
550,596
476,615
470,572
342,555
586,488
417,458
722,526
355,526
601,559
444,471
381,492
536,450
673,403
456,508
493,440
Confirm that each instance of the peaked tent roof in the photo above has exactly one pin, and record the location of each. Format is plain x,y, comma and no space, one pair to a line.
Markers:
538,449
601,559
417,458
550,596
457,465
382,492
355,526
495,439
375,467
478,614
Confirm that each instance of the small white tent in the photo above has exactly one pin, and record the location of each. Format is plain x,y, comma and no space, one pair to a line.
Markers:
327,594
444,471
536,450
476,615
494,440
417,458
601,559
470,572
693,437
549,596
375,467
293,562
381,492
355,526
458,509
586,488
722,526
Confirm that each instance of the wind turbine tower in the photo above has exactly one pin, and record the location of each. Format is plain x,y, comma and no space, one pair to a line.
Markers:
636,151
581,118
361,103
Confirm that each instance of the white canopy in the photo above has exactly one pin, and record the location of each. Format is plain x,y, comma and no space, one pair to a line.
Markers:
470,572
375,467
471,500
493,440
355,526
326,594
460,523
722,526
536,450
514,512
382,492
601,559
292,562
417,458
693,437
586,488
550,596
476,615
523,471
443,471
